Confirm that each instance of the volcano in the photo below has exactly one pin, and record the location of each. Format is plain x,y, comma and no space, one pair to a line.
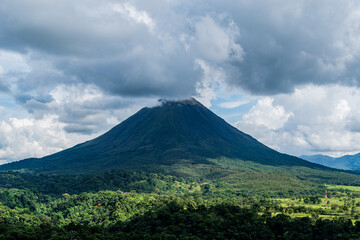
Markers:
171,133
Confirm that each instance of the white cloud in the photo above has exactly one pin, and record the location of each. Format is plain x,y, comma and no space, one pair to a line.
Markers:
11,61
212,46
28,137
215,43
112,120
132,13
70,115
86,108
64,94
323,120
212,80
233,104
2,162
266,114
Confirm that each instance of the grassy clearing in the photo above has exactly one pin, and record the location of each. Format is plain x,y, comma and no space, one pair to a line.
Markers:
343,202
343,187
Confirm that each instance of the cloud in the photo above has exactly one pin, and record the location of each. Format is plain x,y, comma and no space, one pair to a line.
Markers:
212,80
311,120
86,62
215,43
132,13
27,137
233,104
293,44
73,114
139,49
83,108
266,114
116,46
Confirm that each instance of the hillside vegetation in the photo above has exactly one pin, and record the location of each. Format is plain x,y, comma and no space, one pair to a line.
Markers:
202,214
229,200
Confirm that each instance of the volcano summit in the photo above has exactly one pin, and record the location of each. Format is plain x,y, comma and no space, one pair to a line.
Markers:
174,132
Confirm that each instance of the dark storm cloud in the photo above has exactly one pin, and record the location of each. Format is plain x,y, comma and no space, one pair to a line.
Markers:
152,73
140,49
92,42
291,43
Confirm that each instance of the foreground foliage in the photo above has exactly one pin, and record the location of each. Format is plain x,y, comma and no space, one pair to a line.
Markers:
144,216
143,205
130,215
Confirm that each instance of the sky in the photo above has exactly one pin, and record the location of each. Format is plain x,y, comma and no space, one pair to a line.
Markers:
285,72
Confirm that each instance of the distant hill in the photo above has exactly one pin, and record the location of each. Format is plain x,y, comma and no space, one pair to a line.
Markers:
347,162
171,133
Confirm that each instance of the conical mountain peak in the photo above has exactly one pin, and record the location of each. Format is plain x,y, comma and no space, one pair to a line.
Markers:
174,132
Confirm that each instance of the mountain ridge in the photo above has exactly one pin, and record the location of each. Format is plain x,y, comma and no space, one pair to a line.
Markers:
346,162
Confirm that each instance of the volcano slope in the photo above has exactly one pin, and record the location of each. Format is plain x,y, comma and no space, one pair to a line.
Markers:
186,139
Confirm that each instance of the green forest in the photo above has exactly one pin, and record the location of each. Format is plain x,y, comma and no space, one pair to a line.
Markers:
133,204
